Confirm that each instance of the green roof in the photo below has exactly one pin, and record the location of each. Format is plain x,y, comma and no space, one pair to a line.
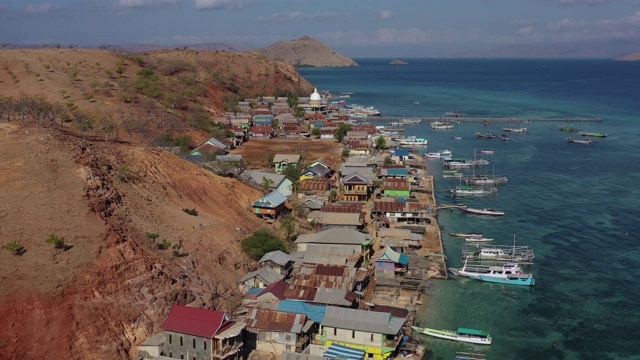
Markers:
473,332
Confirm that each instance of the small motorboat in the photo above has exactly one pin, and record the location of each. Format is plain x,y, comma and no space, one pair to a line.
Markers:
488,152
485,211
462,334
457,138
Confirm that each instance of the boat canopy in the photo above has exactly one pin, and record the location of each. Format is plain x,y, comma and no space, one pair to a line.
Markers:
473,332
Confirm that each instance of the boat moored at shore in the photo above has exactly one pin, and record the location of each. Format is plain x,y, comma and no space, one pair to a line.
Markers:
472,336
509,273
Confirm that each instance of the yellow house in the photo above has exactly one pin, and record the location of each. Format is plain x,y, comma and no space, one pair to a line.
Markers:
377,333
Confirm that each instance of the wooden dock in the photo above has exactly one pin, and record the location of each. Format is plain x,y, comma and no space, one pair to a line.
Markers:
490,120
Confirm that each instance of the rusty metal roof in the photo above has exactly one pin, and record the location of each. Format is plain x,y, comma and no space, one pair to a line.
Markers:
315,185
342,208
274,320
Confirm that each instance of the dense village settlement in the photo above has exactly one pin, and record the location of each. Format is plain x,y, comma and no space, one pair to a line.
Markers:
347,288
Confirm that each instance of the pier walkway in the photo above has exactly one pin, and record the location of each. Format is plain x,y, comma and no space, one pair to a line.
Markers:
479,119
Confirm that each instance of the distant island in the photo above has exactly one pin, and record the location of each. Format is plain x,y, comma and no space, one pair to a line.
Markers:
398,62
305,51
629,57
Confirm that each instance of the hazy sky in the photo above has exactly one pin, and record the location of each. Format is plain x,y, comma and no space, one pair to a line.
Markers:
356,28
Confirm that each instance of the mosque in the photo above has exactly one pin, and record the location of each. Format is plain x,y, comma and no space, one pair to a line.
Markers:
316,104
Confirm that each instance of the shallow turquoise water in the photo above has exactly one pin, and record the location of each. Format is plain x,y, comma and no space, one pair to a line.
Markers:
576,206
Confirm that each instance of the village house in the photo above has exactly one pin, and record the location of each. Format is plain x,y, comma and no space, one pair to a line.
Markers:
392,210
268,181
355,187
211,146
315,186
261,132
316,168
396,187
283,161
390,263
270,206
260,278
263,120
400,240
277,260
340,237
275,331
347,215
377,333
194,333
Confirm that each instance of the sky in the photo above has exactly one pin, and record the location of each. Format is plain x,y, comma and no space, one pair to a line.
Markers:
355,28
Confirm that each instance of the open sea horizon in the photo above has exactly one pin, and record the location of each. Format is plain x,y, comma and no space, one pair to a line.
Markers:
576,206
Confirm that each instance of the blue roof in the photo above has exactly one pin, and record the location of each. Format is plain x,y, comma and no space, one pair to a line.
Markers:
254,291
314,313
398,171
318,124
337,351
402,152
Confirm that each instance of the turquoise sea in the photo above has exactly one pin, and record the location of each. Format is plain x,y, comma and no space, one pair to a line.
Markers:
577,206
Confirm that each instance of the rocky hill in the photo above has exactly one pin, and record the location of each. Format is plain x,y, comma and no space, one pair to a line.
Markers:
305,51
94,185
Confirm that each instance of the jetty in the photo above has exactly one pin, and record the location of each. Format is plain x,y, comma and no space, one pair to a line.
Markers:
483,120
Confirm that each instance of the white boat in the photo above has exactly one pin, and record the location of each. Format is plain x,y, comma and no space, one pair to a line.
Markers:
485,211
412,141
437,125
472,191
416,102
576,141
515,130
455,175
478,239
508,273
440,154
462,163
498,253
504,137
488,152
462,334
457,138
453,114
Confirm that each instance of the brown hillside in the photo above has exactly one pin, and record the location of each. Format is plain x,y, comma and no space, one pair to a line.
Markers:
112,287
183,83
305,51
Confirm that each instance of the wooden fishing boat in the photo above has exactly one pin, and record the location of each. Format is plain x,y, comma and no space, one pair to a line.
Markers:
485,211
515,130
485,136
508,273
488,152
477,239
593,134
465,235
576,141
462,334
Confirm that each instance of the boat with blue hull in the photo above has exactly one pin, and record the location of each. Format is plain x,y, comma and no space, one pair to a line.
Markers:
515,279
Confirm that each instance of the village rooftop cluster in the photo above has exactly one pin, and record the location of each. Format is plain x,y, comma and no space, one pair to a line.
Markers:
348,290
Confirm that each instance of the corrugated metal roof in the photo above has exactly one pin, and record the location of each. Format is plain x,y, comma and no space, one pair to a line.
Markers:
297,292
271,200
337,351
342,236
285,355
342,208
361,320
290,158
194,321
315,185
390,255
274,320
257,177
266,274
314,312
276,256
277,289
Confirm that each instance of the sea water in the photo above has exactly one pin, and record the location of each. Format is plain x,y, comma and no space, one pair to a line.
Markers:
577,206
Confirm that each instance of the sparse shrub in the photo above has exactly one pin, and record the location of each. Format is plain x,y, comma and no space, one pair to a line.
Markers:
58,242
122,172
152,236
15,248
192,212
165,245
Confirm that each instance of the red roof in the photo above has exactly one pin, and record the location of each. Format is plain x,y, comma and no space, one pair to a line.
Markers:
277,289
194,321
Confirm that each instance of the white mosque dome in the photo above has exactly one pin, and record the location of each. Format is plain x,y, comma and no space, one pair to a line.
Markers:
315,96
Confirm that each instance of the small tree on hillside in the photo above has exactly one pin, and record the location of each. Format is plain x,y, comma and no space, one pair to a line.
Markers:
58,242
266,183
381,143
298,112
261,242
